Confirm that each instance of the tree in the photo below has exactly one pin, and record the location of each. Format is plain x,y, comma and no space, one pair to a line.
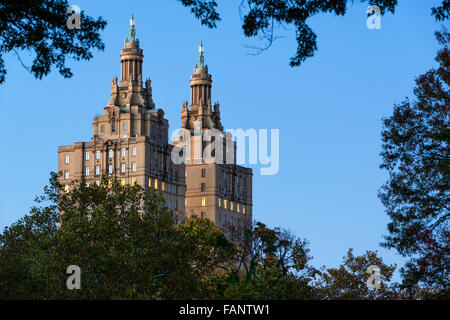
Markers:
261,18
416,155
270,264
123,238
349,281
40,26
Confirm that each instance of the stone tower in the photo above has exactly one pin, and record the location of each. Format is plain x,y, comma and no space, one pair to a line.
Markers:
130,143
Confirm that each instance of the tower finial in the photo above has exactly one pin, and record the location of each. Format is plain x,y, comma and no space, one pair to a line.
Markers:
201,57
132,35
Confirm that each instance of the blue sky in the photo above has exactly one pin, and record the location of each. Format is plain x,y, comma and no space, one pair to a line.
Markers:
328,111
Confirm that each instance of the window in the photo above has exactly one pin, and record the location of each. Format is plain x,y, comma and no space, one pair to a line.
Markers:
133,181
163,186
170,187
97,170
237,207
220,202
102,128
133,152
224,175
203,173
87,171
176,204
66,161
203,187
150,182
174,188
156,183
110,154
66,175
133,167
113,128
122,182
202,215
66,188
225,203
231,205
123,168
123,152
97,182
243,209
170,204
125,126
110,169
97,154
203,202
88,155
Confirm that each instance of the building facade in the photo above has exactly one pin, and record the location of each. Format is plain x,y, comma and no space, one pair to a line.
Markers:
131,143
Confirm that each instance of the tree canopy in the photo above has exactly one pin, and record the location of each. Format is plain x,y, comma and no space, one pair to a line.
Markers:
416,155
261,18
40,27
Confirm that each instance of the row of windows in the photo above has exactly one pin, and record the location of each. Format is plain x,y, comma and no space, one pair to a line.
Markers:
232,206
87,156
161,185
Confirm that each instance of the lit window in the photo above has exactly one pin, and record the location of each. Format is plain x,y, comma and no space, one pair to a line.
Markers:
220,202
156,184
87,171
243,209
133,152
123,152
231,205
133,181
67,160
150,182
163,186
122,182
110,169
97,170
110,183
88,155
97,154
237,207
123,168
125,126
133,167
203,202
110,154
66,175
225,203
66,188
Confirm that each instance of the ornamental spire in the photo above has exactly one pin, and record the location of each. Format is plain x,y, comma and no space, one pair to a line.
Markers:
132,35
201,58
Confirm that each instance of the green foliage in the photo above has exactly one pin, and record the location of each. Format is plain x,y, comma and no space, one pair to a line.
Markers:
349,281
271,264
124,240
417,156
39,26
261,18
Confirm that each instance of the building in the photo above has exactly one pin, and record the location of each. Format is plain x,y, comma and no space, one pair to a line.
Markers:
131,143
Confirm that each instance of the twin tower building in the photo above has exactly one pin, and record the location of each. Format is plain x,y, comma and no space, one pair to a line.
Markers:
196,174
